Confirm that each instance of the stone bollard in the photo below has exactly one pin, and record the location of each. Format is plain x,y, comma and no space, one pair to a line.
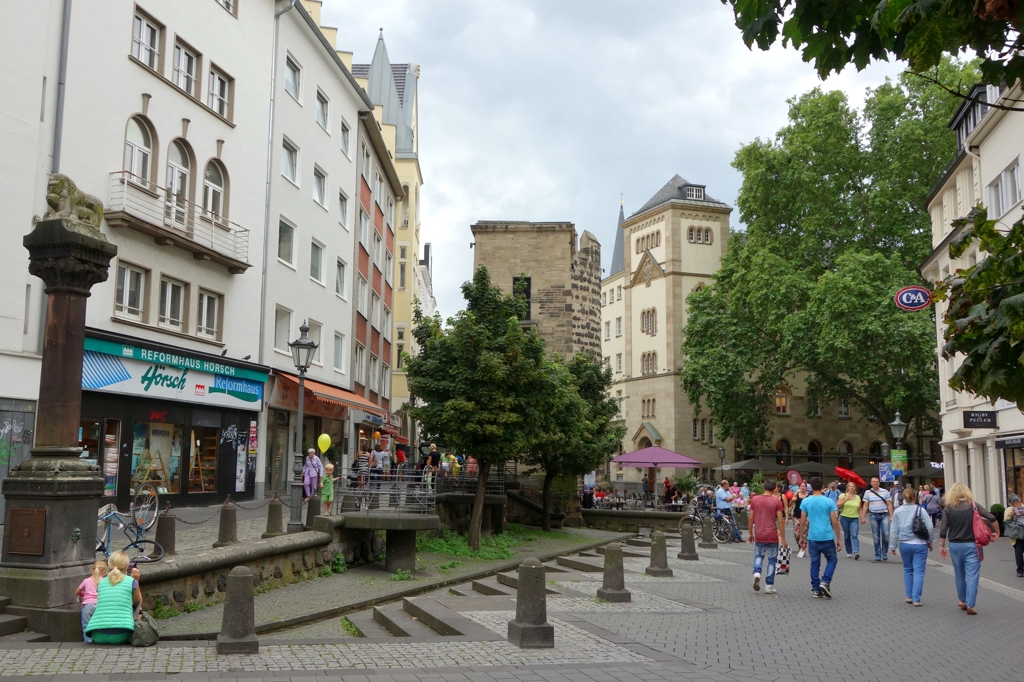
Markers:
659,557
275,525
312,510
530,629
238,625
687,550
165,527
613,587
707,535
228,531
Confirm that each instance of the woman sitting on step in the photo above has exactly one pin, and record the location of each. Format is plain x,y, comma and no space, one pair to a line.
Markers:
114,619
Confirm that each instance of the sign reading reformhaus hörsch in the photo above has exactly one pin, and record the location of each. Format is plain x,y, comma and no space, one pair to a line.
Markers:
180,360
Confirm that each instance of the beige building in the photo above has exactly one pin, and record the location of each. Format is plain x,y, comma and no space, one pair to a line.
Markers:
982,444
562,276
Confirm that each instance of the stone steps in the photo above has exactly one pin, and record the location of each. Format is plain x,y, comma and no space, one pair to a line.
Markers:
13,628
400,623
628,553
491,587
577,564
24,636
510,580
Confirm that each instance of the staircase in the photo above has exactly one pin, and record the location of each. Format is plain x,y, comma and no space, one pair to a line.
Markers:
418,619
12,628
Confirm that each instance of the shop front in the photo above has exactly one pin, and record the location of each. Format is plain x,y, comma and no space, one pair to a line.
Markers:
185,422
1012,450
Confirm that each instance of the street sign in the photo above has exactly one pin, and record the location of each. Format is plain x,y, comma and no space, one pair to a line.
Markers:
899,462
913,298
885,472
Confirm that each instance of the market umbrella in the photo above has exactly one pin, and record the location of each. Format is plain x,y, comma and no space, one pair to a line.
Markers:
656,457
926,472
751,465
867,471
851,477
811,468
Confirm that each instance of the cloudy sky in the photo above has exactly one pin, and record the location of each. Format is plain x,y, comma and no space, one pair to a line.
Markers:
548,109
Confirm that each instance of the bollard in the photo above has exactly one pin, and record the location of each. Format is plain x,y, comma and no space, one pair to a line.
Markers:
659,557
687,550
613,587
228,532
165,527
312,510
238,625
707,535
530,629
275,525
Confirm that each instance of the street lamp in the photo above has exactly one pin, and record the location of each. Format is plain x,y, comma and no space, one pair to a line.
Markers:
303,351
721,462
898,429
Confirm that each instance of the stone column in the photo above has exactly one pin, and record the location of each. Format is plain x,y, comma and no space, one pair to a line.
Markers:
530,629
659,557
613,586
53,497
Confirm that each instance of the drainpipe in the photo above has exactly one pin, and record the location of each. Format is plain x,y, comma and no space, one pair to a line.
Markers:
974,155
62,76
270,156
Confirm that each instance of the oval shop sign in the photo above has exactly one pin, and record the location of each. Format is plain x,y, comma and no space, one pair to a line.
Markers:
913,298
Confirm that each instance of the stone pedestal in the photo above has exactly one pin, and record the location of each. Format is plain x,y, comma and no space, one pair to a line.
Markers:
687,551
530,629
275,525
613,587
707,535
227,530
740,515
166,527
312,510
238,626
400,550
659,557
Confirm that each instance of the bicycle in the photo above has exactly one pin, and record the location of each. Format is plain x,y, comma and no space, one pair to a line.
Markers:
695,521
141,517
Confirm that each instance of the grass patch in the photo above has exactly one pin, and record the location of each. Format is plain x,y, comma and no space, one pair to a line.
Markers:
533,533
350,629
448,566
162,611
192,606
494,547
401,574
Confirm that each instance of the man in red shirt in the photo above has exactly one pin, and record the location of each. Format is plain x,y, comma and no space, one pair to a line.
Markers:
767,532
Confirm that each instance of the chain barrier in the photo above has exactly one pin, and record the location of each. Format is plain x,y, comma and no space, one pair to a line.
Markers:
197,523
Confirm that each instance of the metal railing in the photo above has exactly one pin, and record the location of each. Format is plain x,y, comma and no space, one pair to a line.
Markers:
401,491
176,216
466,481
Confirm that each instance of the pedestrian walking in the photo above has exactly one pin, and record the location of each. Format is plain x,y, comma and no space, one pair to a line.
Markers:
644,484
822,538
833,492
363,465
912,531
878,508
767,532
932,503
849,518
782,566
312,472
723,503
799,527
957,541
385,463
1013,525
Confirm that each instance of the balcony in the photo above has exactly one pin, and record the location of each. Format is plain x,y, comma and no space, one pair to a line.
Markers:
174,221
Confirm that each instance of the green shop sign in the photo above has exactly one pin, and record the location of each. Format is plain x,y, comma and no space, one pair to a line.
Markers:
170,359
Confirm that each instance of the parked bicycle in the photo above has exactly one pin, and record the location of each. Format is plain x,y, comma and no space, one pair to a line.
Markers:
721,527
141,517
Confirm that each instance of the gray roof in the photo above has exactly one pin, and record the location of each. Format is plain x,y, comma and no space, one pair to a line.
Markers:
673,189
398,71
618,251
387,87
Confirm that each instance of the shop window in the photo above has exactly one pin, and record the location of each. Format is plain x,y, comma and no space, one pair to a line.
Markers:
202,471
156,456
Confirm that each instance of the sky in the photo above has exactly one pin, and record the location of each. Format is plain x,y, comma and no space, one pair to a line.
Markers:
550,110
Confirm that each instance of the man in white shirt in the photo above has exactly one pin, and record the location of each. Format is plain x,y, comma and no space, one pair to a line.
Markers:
877,506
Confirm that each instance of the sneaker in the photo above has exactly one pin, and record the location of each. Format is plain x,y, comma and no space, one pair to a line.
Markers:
826,590
769,589
856,555
757,582
885,558
849,556
877,559
816,594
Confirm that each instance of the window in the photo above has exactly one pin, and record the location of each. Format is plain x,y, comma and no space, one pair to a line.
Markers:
339,352
695,193
813,405
618,293
649,363
374,373
691,233
367,163
343,209
700,236
316,262
399,360
322,108
607,330
138,150
618,362
707,235
703,431
339,278
346,132
289,161
390,214
213,192
782,401
220,93
361,295
315,329
377,249
172,301
711,432
282,329
401,275
128,298
1005,191
524,286
292,78
364,230
844,408
145,35
604,298
184,75
386,324
618,326
385,381
359,369
179,172
375,311
229,5
995,197
608,361
377,182
319,187
696,426
206,320
389,267
285,242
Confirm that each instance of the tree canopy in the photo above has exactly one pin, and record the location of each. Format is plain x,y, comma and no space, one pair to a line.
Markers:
832,35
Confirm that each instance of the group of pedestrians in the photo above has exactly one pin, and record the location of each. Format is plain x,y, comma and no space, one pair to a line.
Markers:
909,529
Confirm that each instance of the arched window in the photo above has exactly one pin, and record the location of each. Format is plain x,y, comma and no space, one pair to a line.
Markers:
654,363
638,246
711,432
657,238
700,236
695,427
213,192
138,151
707,236
691,235
653,323
653,406
813,405
782,447
703,431
179,172
814,451
782,401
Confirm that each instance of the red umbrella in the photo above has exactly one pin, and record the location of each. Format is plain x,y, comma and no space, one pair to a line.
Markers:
850,477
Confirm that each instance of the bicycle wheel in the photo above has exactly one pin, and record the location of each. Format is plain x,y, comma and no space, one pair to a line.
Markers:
144,552
145,506
693,522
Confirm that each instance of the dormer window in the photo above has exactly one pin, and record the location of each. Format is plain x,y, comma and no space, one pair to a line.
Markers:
695,193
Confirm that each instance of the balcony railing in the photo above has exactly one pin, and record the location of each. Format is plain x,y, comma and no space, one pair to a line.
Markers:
172,220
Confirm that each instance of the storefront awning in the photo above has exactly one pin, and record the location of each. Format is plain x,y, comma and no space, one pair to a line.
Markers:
333,394
401,439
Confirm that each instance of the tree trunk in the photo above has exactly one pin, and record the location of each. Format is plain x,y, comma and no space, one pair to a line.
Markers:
477,517
546,501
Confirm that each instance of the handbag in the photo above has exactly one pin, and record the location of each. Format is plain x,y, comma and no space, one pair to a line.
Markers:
982,531
783,564
919,528
145,633
1014,529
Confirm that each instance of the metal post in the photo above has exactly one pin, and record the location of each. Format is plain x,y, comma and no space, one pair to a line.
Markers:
295,519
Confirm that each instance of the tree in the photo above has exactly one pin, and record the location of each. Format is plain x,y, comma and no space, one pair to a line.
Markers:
921,32
985,316
480,377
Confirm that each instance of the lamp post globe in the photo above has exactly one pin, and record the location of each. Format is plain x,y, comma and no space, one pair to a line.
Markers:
303,351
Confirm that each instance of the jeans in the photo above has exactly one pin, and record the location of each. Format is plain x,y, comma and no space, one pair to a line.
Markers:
966,571
87,611
850,529
769,550
1018,554
816,548
727,513
880,533
914,558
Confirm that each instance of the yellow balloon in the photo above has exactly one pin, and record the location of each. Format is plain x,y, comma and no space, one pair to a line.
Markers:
324,441
376,435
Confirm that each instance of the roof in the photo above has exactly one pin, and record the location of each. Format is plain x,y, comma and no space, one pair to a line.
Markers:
673,190
398,71
618,251
387,85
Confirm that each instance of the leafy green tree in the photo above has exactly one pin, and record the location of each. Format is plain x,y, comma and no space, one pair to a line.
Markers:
481,376
985,317
835,34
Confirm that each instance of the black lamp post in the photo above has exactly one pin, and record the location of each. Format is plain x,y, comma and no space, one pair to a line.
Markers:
303,351
898,429
721,463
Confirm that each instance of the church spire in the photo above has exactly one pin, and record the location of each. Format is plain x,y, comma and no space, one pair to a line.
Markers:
618,251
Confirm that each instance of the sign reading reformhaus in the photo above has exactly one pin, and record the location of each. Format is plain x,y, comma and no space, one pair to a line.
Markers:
180,361
979,420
